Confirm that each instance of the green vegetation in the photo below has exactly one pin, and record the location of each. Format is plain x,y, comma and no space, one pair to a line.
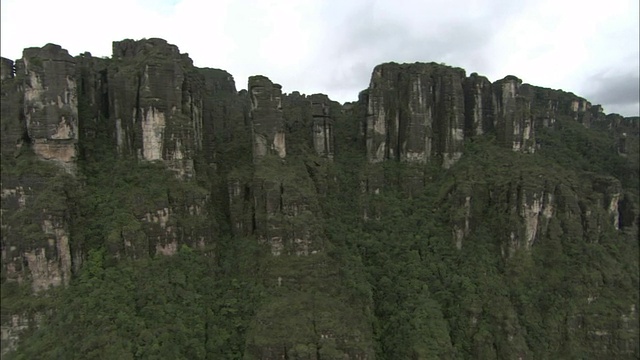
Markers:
503,256
168,307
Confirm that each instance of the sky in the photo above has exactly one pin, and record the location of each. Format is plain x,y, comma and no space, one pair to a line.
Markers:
590,48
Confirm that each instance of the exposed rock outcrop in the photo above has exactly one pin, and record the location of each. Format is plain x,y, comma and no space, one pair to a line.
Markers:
156,107
6,69
283,211
93,107
267,122
14,131
12,328
530,203
259,162
415,113
146,102
39,117
480,107
35,231
223,114
322,125
514,122
50,104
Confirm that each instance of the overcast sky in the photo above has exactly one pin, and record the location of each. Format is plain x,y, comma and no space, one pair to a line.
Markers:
587,47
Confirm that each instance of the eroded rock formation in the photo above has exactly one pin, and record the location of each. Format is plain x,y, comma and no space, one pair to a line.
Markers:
50,105
156,103
267,123
260,162
415,113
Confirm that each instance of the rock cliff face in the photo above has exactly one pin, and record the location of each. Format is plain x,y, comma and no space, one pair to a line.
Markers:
256,165
50,105
284,200
532,202
14,132
267,123
146,102
480,107
514,123
39,111
323,137
156,100
421,113
35,232
415,114
223,113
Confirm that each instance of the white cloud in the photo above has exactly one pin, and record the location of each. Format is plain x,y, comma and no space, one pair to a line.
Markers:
331,46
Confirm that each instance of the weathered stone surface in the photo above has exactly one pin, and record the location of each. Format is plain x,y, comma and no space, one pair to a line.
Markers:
149,102
531,203
223,114
266,118
298,123
13,325
625,130
35,233
277,200
611,191
6,69
415,113
39,117
93,106
279,205
50,103
158,115
421,113
514,122
308,123
480,106
323,138
129,48
548,104
14,130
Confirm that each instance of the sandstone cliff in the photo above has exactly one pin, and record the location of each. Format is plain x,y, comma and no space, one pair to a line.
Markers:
143,154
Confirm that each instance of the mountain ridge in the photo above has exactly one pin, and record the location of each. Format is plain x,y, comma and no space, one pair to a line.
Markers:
291,201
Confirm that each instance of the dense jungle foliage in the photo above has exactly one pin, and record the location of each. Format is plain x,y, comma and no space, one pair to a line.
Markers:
397,275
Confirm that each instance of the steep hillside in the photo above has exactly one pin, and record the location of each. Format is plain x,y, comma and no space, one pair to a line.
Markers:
151,210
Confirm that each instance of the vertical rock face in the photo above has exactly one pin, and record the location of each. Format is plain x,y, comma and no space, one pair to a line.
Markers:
146,102
40,132
222,112
6,69
50,102
40,113
479,105
422,112
415,113
547,105
266,158
14,131
157,106
284,207
611,191
276,200
35,234
12,327
322,125
157,110
514,123
93,106
531,204
267,122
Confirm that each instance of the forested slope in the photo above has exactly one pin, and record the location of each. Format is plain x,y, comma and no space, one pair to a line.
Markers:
151,211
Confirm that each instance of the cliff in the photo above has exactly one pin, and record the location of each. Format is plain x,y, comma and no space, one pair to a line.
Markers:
411,223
